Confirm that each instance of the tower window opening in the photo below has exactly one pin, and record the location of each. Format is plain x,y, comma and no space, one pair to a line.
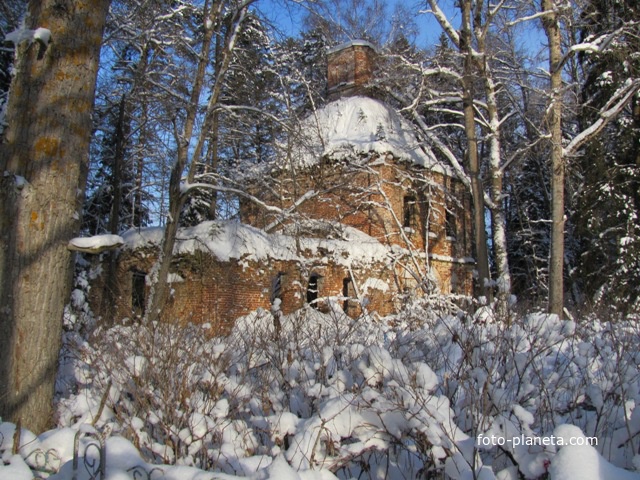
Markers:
409,211
450,224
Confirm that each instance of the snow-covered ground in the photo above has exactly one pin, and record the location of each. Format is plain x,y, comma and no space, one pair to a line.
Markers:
324,396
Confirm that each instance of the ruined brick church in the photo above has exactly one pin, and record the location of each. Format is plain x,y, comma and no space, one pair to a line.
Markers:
362,218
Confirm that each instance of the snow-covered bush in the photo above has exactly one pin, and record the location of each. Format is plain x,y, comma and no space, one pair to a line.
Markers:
407,396
520,381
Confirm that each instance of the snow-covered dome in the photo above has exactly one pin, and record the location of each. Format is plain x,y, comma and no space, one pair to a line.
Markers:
351,127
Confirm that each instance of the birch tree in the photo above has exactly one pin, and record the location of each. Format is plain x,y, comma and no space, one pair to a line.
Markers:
44,162
472,43
481,23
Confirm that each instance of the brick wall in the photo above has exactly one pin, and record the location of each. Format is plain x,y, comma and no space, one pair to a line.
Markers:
372,200
350,68
217,292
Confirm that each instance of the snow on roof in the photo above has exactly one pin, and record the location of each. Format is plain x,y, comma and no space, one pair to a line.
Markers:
235,240
95,244
350,127
352,43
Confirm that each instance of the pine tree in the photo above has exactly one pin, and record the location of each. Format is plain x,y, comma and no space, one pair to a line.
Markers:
112,203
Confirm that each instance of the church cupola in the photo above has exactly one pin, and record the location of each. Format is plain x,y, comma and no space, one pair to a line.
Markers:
350,68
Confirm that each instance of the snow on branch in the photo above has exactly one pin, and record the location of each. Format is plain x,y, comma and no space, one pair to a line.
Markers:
186,187
308,195
596,45
441,71
528,18
613,107
172,14
259,111
600,43
425,129
493,10
444,22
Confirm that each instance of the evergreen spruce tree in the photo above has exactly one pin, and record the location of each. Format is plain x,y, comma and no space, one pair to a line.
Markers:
608,208
244,128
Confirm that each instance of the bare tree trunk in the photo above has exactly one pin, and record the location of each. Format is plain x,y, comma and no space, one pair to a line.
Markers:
177,197
159,293
498,217
214,142
44,165
137,216
118,168
556,257
477,191
143,118
212,164
111,280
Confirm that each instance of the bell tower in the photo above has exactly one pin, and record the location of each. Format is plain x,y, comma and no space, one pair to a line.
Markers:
350,68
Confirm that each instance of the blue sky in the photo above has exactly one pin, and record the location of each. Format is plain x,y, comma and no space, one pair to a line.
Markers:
287,15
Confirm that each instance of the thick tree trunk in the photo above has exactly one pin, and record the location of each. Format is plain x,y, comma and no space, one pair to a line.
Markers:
43,163
554,120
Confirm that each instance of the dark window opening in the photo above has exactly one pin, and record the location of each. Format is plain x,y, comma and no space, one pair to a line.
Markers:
313,289
409,211
450,224
455,285
348,292
138,292
276,288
